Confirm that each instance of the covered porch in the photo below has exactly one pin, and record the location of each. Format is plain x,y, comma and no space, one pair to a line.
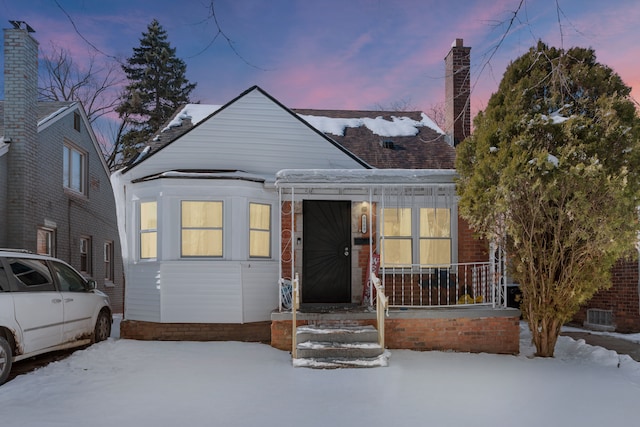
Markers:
343,231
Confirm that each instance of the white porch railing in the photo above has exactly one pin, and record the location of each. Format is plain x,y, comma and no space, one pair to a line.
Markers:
437,286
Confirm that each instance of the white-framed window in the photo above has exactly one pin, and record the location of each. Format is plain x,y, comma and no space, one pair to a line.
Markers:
397,238
416,236
201,228
259,230
46,241
74,165
108,261
148,231
85,255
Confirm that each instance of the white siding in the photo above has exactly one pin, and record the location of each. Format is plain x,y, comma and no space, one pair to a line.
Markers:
259,289
142,300
253,134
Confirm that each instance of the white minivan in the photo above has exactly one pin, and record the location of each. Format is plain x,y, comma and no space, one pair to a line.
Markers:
46,305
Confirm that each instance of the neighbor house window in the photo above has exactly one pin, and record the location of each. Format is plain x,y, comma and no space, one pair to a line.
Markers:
259,230
45,241
435,236
397,238
108,261
76,121
201,228
416,236
85,255
74,164
148,230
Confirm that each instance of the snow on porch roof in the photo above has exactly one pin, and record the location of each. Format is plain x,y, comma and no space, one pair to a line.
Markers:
288,178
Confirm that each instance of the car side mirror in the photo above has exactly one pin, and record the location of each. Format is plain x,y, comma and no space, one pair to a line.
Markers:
91,284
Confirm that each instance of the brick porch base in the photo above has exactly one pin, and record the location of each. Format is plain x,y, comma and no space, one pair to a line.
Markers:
252,332
464,330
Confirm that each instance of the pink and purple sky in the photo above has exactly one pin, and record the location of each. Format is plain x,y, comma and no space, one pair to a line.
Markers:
339,54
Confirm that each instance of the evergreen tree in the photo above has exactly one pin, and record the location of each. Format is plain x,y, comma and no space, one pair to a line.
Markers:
157,87
554,164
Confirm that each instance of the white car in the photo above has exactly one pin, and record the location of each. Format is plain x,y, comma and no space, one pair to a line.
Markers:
46,305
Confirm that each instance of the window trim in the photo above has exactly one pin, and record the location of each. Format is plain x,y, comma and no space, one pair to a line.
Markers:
68,151
416,238
268,230
221,228
86,252
147,231
51,243
107,258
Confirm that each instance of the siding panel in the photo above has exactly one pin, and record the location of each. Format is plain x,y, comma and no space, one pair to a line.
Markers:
260,290
201,292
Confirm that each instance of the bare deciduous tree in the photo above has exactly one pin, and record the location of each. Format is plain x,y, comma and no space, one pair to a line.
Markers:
95,86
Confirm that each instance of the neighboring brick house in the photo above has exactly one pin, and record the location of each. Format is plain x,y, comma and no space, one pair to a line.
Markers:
55,191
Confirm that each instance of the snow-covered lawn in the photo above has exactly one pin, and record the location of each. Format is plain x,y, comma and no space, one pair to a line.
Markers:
134,383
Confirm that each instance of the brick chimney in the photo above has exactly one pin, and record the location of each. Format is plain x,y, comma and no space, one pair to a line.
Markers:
457,90
20,131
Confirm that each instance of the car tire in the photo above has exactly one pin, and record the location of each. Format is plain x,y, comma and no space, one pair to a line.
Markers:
103,327
6,360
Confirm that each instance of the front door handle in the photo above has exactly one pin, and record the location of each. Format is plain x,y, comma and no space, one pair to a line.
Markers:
346,251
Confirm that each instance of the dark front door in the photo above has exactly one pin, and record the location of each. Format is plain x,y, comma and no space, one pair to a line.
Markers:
326,253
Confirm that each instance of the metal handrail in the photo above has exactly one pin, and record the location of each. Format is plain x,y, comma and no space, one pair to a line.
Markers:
295,305
382,307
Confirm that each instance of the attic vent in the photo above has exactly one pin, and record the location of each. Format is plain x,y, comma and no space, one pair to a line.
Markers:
387,143
600,319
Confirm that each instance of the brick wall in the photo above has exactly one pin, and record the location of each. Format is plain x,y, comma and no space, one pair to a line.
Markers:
147,331
497,335
621,298
470,248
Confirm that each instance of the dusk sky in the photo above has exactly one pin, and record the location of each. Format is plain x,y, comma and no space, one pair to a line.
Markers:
346,54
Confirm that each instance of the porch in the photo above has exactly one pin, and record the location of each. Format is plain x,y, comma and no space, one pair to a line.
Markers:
445,301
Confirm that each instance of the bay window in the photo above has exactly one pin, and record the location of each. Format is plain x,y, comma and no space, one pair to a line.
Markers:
148,230
201,226
259,230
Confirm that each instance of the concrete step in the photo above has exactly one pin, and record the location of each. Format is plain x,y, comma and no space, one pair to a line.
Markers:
331,346
324,350
338,363
346,334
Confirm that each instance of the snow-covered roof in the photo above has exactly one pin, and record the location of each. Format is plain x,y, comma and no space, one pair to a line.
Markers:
234,174
397,126
347,177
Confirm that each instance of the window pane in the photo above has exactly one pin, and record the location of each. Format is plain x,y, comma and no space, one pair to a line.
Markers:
68,279
259,243
201,214
148,216
148,245
435,251
76,171
45,242
435,222
32,273
397,222
65,167
396,252
202,242
259,216
259,230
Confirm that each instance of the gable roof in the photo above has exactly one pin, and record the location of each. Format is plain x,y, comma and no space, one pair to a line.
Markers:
379,139
182,122
48,113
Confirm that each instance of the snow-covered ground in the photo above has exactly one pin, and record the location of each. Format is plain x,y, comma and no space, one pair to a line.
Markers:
135,383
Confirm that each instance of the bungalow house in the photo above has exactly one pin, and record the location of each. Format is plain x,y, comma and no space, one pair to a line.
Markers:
249,220
55,192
